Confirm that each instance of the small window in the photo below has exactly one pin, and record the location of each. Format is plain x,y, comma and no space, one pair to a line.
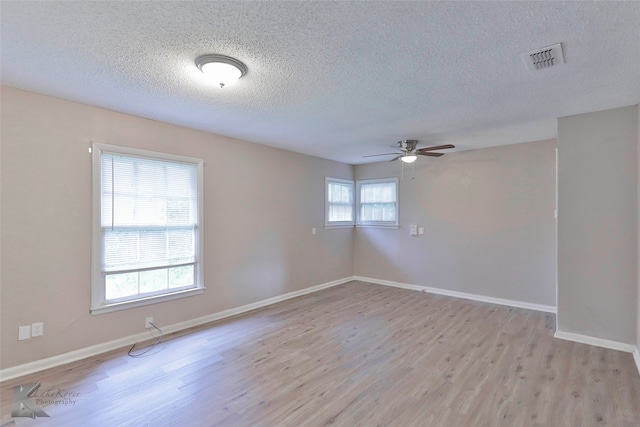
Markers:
377,203
339,210
147,227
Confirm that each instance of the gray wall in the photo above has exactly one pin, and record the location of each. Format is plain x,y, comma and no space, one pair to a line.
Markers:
260,206
488,216
598,224
489,224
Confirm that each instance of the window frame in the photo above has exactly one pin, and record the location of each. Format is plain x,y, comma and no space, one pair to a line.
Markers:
99,304
358,204
338,224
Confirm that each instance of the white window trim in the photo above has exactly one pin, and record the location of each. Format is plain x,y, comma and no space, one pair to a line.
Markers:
337,224
377,224
98,303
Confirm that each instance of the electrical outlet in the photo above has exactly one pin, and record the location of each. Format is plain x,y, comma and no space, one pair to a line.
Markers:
24,332
148,322
37,329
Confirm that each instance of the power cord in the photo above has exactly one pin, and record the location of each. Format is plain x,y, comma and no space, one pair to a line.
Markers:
148,349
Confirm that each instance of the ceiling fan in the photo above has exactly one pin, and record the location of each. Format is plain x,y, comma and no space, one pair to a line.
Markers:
409,153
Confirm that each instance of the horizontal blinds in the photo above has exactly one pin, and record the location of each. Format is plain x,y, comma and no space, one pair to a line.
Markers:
148,212
378,202
340,193
340,201
380,192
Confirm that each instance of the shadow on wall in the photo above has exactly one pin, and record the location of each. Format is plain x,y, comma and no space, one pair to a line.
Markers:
380,253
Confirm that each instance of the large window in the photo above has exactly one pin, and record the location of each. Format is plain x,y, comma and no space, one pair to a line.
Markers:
147,227
377,203
338,202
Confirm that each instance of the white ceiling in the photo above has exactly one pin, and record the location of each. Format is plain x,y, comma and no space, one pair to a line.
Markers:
337,80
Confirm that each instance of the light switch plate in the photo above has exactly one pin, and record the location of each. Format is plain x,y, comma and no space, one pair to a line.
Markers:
413,229
24,332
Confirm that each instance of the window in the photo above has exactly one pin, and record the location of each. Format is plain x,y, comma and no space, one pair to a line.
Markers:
147,227
338,202
377,203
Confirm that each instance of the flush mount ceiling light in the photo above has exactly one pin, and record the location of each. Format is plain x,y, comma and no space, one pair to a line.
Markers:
223,70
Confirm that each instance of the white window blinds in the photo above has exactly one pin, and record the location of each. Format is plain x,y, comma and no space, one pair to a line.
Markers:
339,201
378,202
149,212
147,238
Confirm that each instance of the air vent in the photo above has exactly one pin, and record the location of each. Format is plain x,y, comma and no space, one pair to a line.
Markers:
544,58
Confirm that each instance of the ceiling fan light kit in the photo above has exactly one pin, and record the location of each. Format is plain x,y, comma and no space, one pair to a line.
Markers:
221,69
409,151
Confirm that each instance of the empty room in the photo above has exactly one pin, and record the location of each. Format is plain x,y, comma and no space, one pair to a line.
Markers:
314,213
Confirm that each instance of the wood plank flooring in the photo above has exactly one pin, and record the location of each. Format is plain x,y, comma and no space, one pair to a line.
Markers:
353,355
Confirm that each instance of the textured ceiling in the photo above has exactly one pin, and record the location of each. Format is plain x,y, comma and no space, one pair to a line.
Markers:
337,80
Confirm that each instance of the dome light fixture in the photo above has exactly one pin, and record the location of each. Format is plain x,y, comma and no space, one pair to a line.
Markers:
409,158
223,70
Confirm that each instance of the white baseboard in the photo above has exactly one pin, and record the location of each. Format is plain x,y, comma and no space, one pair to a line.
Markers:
83,353
598,342
583,339
456,294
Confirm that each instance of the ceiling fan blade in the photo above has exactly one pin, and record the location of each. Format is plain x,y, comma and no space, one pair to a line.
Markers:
385,154
437,147
396,158
429,154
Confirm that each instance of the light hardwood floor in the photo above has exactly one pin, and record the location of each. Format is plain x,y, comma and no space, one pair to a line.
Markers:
353,355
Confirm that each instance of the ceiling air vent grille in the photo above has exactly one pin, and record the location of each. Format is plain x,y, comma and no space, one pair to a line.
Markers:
546,57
